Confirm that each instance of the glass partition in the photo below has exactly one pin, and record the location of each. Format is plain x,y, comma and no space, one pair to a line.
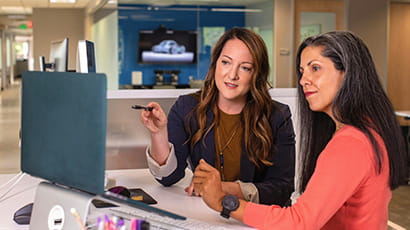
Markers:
205,20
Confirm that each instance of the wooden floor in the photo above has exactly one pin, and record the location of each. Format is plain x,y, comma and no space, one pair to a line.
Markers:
10,101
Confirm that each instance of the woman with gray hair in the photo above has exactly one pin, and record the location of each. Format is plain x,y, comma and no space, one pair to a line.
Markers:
353,152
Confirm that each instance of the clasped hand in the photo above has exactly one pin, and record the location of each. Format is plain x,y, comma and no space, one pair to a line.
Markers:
207,184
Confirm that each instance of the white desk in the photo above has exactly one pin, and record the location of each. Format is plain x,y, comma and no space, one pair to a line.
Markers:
172,198
22,194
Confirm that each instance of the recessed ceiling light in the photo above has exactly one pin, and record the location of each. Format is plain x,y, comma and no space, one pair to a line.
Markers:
236,10
62,1
12,8
15,9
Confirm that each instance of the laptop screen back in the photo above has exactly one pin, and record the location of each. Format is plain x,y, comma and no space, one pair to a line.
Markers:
64,128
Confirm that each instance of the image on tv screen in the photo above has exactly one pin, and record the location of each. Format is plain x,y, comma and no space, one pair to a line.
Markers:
167,47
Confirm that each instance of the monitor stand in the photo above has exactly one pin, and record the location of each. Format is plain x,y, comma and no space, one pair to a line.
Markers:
53,204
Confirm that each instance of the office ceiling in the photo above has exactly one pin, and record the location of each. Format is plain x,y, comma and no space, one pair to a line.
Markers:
193,2
12,7
15,13
24,7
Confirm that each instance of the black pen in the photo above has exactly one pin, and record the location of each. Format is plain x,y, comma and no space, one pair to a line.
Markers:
142,107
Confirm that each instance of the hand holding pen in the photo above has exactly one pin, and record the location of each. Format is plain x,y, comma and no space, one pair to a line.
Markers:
146,108
156,123
152,117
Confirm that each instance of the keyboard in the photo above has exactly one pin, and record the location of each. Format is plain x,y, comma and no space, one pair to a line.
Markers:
163,222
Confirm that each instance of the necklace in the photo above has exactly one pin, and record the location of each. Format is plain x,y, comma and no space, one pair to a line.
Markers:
221,150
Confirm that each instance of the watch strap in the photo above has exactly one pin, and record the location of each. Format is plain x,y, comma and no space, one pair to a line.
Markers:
225,213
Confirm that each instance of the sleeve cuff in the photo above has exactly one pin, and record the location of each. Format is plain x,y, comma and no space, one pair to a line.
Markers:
249,191
165,170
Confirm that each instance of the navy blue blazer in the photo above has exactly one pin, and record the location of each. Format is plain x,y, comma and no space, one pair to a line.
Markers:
275,183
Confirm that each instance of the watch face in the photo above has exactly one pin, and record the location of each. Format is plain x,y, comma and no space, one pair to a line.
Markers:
230,202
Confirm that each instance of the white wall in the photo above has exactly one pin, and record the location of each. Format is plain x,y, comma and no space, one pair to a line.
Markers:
372,27
105,37
52,24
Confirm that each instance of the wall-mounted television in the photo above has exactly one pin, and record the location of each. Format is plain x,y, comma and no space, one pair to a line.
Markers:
167,47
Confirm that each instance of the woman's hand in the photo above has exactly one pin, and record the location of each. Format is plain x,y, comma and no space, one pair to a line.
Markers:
155,120
207,183
190,190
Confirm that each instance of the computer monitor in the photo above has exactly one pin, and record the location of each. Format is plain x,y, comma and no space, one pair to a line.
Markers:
59,55
42,62
85,57
45,66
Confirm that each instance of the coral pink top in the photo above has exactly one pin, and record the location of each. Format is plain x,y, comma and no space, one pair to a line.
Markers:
344,192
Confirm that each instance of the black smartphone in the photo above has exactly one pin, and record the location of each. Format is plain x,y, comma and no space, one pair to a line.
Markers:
140,195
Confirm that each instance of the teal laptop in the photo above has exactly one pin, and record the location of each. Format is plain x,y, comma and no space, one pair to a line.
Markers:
63,128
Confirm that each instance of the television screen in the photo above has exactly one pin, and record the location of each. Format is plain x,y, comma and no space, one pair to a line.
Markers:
167,47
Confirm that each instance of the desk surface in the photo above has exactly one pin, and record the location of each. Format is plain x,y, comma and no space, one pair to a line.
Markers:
22,194
172,198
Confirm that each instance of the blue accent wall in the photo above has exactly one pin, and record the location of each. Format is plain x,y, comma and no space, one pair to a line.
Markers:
133,18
